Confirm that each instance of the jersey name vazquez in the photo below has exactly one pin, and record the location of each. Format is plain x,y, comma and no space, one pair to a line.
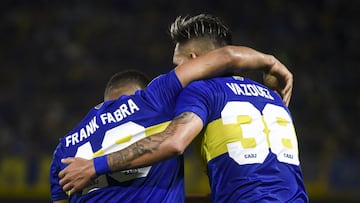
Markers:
249,90
126,109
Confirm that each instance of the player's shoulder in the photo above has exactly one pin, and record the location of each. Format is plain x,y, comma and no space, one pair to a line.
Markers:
168,82
236,78
219,81
165,77
241,80
163,90
227,79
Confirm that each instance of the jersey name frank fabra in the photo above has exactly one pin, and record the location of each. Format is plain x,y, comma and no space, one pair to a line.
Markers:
126,109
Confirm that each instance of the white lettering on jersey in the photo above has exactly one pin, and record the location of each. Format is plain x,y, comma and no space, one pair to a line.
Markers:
249,90
83,133
124,110
119,114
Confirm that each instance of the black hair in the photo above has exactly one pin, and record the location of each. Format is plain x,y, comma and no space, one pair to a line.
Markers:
127,77
187,28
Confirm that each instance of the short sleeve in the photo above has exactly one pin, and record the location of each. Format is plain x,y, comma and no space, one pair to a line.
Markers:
57,193
197,98
163,91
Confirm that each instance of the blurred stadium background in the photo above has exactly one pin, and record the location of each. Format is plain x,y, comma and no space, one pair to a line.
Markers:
56,56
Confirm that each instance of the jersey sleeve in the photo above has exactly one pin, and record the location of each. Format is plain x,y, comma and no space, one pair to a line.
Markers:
198,97
57,193
163,90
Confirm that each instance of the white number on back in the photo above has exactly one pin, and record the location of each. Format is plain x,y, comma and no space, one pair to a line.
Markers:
272,128
116,139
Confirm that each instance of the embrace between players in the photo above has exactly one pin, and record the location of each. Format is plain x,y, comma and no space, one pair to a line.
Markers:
244,131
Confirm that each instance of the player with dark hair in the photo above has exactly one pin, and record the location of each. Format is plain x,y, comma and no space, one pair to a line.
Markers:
210,33
118,123
125,83
248,142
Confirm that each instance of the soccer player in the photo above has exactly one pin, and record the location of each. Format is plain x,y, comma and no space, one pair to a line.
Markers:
244,131
122,83
118,123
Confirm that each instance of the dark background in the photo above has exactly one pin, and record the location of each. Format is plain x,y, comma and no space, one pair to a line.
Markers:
56,56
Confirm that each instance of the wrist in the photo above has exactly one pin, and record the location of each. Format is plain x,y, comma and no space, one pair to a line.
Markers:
271,60
101,165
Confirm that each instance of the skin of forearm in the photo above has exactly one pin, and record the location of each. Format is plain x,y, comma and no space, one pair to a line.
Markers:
169,143
229,59
245,58
141,153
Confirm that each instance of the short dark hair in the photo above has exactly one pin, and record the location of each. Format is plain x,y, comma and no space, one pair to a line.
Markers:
127,77
200,26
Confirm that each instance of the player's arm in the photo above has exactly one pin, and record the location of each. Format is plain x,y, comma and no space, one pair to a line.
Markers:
158,147
171,142
234,59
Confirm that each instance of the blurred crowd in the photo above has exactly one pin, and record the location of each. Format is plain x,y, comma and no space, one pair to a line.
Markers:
56,56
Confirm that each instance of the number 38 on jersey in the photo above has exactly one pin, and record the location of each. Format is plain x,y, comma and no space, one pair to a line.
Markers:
253,134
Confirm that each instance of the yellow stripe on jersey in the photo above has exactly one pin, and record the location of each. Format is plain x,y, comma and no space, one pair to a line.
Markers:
286,143
282,121
248,135
148,132
266,130
98,153
156,128
214,142
124,139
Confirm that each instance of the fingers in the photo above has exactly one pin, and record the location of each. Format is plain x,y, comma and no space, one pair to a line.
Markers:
67,187
64,179
286,95
71,180
287,92
67,161
286,76
71,185
70,189
61,174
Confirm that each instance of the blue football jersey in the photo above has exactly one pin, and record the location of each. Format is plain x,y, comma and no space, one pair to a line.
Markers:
114,125
249,145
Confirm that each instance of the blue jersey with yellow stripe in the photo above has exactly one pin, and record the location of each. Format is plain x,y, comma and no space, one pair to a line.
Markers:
114,125
249,146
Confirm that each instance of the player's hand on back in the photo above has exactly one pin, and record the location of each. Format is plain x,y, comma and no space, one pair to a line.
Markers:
77,175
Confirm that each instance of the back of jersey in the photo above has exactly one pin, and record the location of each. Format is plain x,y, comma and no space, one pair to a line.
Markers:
249,144
115,125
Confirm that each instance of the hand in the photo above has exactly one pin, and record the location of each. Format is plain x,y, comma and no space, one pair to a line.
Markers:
280,79
276,75
77,175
